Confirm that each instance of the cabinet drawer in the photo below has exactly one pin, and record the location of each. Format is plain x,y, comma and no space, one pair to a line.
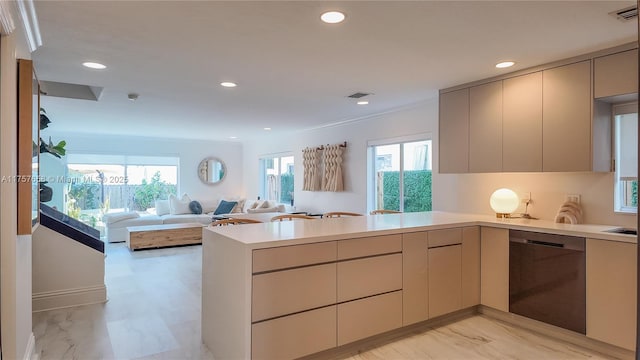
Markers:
375,245
288,291
294,336
445,237
370,316
291,256
369,276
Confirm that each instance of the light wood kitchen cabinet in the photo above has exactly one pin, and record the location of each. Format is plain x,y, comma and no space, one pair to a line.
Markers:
616,74
285,292
611,292
294,336
485,128
470,266
293,256
369,276
494,272
445,279
522,123
415,290
369,316
454,132
369,246
566,118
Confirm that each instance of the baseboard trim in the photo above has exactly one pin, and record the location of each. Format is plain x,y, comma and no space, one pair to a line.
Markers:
31,347
557,333
69,297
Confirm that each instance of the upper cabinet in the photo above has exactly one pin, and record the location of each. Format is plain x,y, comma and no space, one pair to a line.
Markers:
454,132
522,123
566,118
485,128
542,119
616,74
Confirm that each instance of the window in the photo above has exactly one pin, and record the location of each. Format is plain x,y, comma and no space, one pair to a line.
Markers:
98,184
400,175
626,157
277,179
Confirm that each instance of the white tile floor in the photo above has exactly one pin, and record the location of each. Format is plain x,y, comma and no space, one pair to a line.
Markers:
154,311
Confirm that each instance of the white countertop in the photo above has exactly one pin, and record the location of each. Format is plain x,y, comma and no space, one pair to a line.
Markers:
308,231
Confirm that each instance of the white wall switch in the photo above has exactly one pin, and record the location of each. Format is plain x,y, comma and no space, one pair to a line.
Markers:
573,198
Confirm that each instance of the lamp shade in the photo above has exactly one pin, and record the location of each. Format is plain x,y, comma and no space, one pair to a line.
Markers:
504,202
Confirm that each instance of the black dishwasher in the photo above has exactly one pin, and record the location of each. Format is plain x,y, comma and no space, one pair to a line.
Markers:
547,278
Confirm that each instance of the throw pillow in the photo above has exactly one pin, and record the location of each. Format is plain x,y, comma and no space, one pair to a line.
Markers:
225,207
179,206
162,207
195,207
239,206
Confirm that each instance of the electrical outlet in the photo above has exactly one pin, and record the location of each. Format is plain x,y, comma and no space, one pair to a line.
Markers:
525,197
573,198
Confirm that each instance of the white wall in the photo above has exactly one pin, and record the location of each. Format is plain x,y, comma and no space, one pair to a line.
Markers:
57,282
190,152
468,193
418,119
15,251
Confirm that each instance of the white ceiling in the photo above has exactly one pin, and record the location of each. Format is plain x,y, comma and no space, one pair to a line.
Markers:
293,71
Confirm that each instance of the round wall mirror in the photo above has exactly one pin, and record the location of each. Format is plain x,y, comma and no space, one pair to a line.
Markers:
211,170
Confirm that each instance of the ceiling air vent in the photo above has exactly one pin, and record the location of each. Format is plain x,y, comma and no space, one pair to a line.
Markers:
358,95
626,14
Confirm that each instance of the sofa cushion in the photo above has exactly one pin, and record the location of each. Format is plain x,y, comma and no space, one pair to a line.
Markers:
162,207
179,206
203,219
239,206
278,208
115,217
225,207
195,207
137,221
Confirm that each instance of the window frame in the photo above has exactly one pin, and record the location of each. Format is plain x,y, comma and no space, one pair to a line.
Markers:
263,192
620,109
371,168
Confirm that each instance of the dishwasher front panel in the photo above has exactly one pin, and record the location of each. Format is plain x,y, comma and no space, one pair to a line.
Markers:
547,279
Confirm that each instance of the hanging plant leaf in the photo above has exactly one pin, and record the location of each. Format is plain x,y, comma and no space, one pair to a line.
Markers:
44,121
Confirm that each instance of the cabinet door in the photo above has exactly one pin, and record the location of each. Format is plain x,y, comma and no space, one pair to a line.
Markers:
454,132
616,74
415,306
522,123
494,264
470,266
566,118
369,316
445,280
294,336
611,292
485,128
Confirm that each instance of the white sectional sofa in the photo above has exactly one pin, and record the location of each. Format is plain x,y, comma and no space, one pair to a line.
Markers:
116,223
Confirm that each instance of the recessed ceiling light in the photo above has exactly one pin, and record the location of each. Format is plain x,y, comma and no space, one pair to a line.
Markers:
228,84
233,137
363,102
505,64
332,17
94,65
267,128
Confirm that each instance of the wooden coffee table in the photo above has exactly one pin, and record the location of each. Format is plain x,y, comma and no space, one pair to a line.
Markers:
156,236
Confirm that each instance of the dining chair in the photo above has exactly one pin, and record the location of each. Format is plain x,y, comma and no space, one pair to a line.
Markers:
333,214
234,221
290,217
383,211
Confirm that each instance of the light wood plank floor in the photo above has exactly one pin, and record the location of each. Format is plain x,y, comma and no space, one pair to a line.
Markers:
154,313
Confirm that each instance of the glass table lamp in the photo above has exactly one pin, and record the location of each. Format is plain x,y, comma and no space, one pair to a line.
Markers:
504,202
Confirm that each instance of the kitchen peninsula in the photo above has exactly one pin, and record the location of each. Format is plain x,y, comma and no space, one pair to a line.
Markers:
290,289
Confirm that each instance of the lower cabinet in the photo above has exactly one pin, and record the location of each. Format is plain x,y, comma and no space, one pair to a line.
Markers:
611,292
494,273
445,280
415,290
295,335
362,318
